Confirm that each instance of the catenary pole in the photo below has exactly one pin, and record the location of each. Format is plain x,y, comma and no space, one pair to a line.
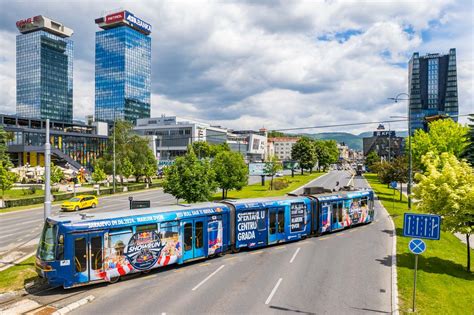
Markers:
47,174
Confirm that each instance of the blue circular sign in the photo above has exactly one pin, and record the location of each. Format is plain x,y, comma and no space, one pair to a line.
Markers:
417,246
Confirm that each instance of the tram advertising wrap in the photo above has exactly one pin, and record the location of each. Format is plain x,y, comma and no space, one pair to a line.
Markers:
251,228
297,215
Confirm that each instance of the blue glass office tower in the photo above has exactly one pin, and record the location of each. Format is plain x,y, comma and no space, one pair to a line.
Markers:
44,65
122,68
433,88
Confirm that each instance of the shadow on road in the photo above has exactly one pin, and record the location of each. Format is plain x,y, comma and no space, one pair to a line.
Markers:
291,310
386,261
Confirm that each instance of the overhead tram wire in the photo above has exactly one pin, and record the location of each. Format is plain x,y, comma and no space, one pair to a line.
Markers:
224,137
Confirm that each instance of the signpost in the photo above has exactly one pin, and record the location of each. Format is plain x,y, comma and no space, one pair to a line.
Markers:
393,184
420,226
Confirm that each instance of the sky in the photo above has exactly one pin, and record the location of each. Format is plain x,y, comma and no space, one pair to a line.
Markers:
272,64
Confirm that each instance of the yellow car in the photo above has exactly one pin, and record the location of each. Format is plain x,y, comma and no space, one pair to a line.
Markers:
80,202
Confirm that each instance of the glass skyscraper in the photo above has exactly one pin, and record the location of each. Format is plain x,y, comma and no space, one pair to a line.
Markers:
433,88
44,68
122,68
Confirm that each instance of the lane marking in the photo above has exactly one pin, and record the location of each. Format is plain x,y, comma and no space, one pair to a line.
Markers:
281,247
294,255
350,231
275,288
205,264
257,252
207,278
324,238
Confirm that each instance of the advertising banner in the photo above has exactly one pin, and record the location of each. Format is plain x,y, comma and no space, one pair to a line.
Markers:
115,17
256,169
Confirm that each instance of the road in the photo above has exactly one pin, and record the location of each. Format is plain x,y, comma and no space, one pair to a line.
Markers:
22,226
341,273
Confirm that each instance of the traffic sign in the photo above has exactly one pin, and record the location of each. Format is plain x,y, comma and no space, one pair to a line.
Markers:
422,225
417,246
393,184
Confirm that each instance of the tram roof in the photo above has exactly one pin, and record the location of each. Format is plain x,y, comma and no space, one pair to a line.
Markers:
184,209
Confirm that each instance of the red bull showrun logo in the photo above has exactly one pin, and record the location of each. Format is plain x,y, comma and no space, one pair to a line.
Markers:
144,249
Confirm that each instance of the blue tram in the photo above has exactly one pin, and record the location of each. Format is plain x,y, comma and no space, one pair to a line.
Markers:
78,249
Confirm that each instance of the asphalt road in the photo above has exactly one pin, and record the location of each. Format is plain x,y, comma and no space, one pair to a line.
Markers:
341,273
19,227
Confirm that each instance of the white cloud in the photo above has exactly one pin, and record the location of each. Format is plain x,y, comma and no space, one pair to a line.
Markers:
248,64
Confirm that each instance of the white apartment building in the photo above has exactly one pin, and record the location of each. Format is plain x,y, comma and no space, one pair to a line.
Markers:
282,147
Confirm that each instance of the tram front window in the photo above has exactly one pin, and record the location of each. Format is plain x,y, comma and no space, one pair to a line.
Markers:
47,243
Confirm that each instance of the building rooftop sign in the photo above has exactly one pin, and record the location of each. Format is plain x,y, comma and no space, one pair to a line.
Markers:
123,18
41,22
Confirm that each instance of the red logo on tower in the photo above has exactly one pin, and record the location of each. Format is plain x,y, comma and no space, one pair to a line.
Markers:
115,17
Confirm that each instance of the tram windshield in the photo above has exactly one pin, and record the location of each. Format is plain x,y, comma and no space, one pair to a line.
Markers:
47,245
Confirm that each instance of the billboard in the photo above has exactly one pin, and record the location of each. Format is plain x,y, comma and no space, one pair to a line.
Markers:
29,24
256,169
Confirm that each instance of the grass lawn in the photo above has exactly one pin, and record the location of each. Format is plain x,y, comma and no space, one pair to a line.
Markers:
257,190
20,194
16,277
443,286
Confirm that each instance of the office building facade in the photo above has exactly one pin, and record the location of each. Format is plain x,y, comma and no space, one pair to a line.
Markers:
76,144
432,88
122,68
44,69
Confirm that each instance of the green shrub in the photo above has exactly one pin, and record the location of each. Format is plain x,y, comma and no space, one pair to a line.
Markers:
280,183
32,190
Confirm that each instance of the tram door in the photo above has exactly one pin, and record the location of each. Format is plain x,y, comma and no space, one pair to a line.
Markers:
193,238
276,225
88,256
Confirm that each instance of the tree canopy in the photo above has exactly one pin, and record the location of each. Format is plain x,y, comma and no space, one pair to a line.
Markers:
446,188
304,153
326,153
190,179
468,153
272,167
444,135
371,158
230,170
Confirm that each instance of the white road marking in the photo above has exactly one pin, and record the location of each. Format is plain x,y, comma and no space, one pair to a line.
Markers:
275,288
294,255
207,278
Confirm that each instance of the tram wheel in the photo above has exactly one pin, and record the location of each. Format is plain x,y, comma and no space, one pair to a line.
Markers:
114,279
235,250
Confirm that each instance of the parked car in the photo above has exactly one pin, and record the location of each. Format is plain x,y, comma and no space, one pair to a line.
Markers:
279,174
80,202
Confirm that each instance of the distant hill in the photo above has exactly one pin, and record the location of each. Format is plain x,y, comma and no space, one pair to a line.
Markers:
352,141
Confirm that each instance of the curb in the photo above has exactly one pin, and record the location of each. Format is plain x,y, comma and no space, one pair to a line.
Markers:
70,307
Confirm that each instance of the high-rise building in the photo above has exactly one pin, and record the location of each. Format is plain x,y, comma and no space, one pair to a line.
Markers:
433,88
44,61
122,68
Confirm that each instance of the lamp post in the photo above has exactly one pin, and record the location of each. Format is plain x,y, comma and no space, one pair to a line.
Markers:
410,165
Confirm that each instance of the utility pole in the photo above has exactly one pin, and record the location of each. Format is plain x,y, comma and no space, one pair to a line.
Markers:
47,174
114,155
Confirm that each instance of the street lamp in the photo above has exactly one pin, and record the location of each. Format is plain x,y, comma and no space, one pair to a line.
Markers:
410,166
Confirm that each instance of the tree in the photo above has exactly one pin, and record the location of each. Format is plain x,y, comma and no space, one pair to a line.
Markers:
303,152
396,170
57,174
231,171
371,159
446,189
4,156
7,178
126,168
326,152
468,153
271,168
202,149
443,136
98,175
142,158
190,179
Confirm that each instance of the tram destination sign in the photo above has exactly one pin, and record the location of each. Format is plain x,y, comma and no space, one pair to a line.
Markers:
426,226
